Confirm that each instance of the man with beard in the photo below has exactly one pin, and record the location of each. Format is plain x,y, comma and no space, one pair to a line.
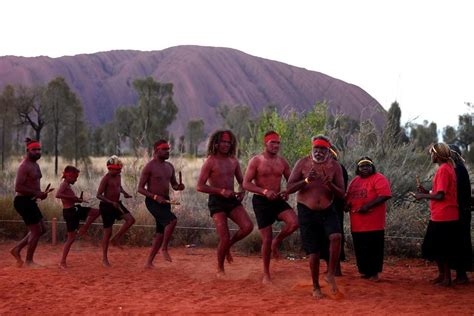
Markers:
318,180
27,188
154,184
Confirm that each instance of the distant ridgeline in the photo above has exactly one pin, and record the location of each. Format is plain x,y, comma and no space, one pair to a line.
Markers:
203,79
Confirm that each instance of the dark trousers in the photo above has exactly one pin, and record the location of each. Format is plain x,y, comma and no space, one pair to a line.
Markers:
369,249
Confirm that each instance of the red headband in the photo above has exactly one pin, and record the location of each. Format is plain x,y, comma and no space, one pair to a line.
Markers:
70,174
162,146
321,143
226,137
33,145
270,137
117,167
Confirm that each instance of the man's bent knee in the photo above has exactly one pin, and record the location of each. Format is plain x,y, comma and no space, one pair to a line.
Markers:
247,228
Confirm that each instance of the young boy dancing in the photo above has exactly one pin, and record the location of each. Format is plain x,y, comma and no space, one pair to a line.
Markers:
73,213
111,208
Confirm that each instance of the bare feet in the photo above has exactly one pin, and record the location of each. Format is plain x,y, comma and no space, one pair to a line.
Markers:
220,274
32,265
106,263
444,283
115,243
63,265
16,253
332,282
266,279
438,279
459,281
166,255
229,257
317,294
374,278
149,265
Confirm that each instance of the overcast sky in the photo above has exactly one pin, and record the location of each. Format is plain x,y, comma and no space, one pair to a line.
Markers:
420,53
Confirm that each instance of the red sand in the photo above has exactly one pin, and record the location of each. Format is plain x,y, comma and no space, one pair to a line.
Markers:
188,285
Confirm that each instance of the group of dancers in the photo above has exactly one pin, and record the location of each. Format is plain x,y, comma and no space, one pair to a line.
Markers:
323,195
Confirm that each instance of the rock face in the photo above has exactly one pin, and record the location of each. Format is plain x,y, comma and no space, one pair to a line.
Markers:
203,77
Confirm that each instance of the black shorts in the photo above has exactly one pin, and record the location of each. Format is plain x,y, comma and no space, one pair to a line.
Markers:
161,212
110,214
219,204
441,242
266,211
28,209
316,226
74,215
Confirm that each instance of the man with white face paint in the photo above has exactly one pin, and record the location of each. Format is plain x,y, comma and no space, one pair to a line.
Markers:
318,180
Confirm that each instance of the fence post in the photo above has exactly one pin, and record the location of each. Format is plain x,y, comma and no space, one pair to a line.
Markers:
54,231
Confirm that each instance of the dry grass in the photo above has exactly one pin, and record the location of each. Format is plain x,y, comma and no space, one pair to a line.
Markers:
405,219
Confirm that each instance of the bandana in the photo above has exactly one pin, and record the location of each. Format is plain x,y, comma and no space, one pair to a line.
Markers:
70,174
115,167
270,137
162,146
226,137
321,143
364,161
33,145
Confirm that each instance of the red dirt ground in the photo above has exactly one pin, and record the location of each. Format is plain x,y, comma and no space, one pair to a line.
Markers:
188,285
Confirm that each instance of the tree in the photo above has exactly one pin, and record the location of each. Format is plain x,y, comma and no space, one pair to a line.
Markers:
30,108
125,120
156,110
58,102
235,118
194,135
295,131
341,130
449,135
181,146
393,134
96,141
7,108
368,135
74,138
424,134
466,130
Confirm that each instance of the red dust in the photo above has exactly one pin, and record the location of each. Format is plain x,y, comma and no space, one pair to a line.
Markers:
189,285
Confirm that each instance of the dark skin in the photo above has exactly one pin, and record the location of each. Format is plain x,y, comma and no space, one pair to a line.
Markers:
365,171
318,179
28,184
69,199
263,176
155,181
444,272
217,177
109,191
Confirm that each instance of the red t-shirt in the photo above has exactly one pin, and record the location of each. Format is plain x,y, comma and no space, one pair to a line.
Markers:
447,209
360,192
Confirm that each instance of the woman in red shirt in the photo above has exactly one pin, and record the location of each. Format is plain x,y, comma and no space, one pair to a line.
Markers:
441,239
366,197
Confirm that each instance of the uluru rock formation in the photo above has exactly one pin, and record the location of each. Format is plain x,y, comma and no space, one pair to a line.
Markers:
203,77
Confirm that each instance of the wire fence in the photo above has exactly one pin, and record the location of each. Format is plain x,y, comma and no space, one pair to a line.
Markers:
200,228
